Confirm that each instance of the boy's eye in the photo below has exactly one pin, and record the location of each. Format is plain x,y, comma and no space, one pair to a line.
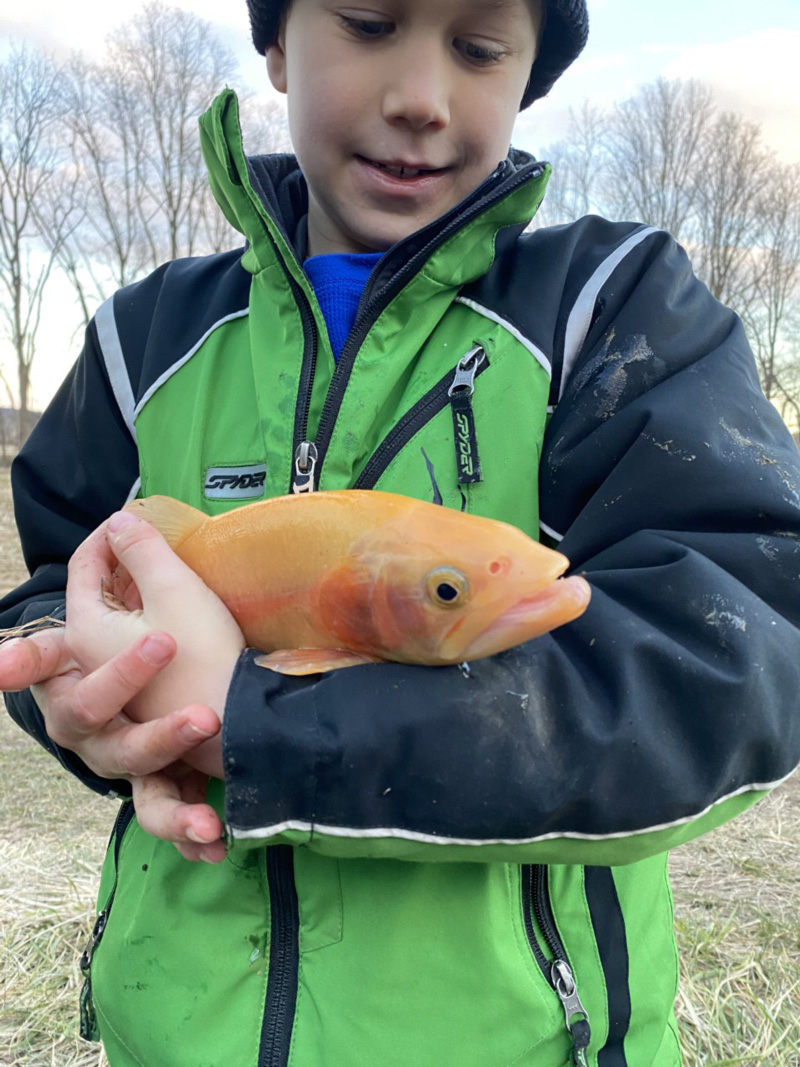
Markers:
369,28
477,53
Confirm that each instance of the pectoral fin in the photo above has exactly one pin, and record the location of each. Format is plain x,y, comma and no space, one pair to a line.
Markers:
312,660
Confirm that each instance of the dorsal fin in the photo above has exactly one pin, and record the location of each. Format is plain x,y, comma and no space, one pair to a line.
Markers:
172,518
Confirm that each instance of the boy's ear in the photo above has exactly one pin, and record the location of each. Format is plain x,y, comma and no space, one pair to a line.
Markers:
276,66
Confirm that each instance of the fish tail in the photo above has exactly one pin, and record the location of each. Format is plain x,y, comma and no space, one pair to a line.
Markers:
173,519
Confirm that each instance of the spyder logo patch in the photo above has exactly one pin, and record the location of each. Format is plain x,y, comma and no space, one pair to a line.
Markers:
235,483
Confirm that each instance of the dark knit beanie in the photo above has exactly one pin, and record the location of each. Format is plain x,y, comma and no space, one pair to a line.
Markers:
566,29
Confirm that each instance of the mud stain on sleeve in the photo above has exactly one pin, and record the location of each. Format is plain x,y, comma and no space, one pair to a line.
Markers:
727,619
765,457
611,370
671,449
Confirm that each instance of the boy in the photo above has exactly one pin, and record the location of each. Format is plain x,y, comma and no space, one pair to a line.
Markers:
425,866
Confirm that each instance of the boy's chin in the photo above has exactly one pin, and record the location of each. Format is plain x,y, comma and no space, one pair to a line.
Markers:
378,238
366,234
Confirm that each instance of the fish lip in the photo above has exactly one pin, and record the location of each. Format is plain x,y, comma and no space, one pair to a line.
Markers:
555,597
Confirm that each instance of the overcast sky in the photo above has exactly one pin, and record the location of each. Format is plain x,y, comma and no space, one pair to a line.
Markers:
747,49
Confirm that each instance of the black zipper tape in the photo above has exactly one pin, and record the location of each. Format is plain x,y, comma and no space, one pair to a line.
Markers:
537,909
284,958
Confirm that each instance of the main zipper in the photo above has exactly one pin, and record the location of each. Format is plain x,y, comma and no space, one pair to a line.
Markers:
284,959
372,305
536,905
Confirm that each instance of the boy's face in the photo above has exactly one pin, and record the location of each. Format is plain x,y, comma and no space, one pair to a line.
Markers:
398,108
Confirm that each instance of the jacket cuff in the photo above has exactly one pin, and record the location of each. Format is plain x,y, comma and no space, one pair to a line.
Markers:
269,750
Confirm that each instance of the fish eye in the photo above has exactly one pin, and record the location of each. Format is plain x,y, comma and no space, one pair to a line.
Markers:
447,587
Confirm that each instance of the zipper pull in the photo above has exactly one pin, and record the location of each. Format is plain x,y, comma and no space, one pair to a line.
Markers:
577,1018
468,464
305,461
89,1029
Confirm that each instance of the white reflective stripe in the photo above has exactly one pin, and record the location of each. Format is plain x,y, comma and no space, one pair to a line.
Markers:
436,839
111,349
537,353
550,531
185,359
137,485
580,318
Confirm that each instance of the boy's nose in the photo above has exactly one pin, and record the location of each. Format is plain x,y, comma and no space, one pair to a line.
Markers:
417,93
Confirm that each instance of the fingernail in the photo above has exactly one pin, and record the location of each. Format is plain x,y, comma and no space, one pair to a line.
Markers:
190,733
198,839
120,520
156,650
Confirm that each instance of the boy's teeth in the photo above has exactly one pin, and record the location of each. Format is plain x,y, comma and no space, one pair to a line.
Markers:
402,172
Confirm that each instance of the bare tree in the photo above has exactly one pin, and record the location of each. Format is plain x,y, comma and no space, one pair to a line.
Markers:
135,144
30,164
107,248
577,165
774,316
171,64
654,152
734,172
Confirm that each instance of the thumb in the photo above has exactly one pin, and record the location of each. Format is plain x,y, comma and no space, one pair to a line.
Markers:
153,566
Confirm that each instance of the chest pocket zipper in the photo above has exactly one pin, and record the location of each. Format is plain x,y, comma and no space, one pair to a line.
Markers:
456,386
89,1029
538,914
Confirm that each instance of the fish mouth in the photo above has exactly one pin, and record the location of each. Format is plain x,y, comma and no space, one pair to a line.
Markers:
531,616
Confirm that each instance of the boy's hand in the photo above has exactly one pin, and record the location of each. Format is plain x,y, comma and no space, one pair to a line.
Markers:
111,666
83,713
154,590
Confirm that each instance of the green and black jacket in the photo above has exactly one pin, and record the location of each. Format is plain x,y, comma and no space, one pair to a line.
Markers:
423,859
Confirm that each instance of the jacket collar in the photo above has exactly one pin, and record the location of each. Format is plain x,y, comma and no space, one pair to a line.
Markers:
266,199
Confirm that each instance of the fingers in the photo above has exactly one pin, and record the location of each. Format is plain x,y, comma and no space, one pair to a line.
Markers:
91,703
26,661
163,811
129,750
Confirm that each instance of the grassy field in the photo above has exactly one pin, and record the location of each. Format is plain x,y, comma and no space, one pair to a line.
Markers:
736,896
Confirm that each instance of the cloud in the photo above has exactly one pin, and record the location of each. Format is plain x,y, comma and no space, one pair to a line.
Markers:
757,75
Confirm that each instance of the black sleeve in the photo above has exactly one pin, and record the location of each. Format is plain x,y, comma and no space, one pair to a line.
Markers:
677,491
79,465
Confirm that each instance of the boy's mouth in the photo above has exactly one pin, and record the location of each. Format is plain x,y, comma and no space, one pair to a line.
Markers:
403,171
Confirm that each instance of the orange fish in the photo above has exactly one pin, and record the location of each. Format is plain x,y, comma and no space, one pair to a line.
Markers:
334,579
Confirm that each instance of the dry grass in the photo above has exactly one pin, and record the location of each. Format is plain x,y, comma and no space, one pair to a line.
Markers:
738,928
52,839
735,891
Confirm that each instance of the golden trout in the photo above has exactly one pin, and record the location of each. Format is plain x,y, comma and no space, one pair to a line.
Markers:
334,579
